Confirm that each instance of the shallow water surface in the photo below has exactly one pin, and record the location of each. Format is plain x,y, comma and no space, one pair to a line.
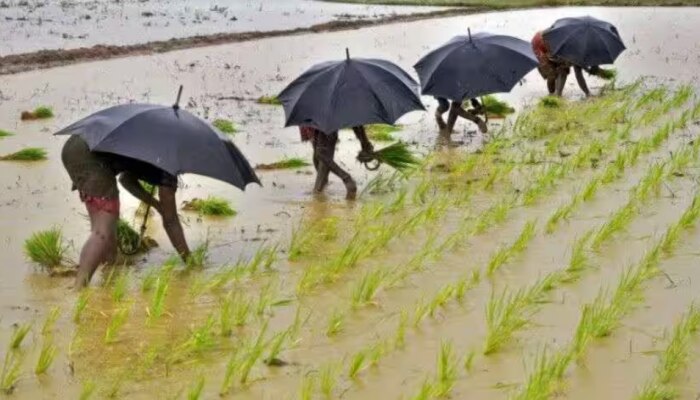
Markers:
661,45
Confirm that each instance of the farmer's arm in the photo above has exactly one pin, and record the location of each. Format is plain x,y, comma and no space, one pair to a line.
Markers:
132,185
361,135
578,71
171,221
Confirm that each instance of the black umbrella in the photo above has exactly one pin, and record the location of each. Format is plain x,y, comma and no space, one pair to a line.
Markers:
475,65
352,92
166,137
584,41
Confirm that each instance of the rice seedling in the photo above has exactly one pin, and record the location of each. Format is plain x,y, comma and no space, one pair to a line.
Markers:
11,368
254,353
357,364
87,390
547,371
276,346
80,305
397,156
241,309
199,256
400,335
306,389
46,248
563,212
4,133
269,100
544,181
425,392
440,299
505,254
446,371
552,102
285,163
201,337
465,284
421,311
578,261
232,367
43,112
50,321
591,189
469,361
656,391
617,222
655,95
195,392
504,316
27,154
226,315
335,323
365,291
120,287
157,304
115,323
225,126
265,300
376,352
608,74
46,357
328,379
381,132
18,335
211,206
496,108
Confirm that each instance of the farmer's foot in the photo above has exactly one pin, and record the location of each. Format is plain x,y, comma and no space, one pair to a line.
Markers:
351,188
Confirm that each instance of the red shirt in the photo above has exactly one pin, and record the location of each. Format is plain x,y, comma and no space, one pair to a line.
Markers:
539,46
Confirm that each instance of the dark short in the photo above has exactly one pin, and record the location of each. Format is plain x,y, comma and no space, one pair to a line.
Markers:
90,175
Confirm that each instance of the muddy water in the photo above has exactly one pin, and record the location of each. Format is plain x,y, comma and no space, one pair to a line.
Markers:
38,25
36,196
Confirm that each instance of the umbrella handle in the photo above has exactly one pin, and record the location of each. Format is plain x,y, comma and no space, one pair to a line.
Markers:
142,230
177,100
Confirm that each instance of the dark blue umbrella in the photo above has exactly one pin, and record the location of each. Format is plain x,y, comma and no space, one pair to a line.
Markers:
475,65
352,92
584,41
166,137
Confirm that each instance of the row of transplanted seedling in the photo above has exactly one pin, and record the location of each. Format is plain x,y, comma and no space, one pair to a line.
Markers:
377,279
373,230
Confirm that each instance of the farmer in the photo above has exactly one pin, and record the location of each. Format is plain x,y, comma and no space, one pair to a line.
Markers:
324,154
94,176
456,110
555,70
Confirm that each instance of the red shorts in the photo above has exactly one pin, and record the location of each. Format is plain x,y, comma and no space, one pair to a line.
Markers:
95,204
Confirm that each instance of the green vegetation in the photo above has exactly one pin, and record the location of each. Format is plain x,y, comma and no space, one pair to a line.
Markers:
20,332
43,112
211,206
225,126
28,154
10,373
397,156
46,357
496,108
269,100
381,132
286,163
552,102
46,248
4,133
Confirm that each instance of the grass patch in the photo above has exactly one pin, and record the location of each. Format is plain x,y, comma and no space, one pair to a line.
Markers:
269,100
286,163
225,126
211,206
46,248
28,154
42,112
4,133
552,102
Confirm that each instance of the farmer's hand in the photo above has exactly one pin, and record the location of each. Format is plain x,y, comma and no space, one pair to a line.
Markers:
365,156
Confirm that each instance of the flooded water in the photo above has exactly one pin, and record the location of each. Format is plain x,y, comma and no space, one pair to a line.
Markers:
38,25
661,45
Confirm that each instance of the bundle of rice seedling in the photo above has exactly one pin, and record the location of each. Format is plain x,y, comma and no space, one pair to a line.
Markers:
28,154
4,133
552,102
287,163
496,108
269,100
607,74
397,156
46,248
130,241
210,206
381,132
42,112
225,126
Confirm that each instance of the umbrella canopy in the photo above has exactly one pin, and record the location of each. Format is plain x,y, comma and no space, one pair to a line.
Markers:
584,41
166,137
475,65
343,94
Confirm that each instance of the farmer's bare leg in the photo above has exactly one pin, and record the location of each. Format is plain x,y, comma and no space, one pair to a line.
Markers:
471,116
443,107
171,221
97,248
562,75
322,170
326,155
551,85
581,80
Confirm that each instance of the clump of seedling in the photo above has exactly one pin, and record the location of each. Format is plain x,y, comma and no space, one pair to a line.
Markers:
46,248
116,322
381,132
367,288
130,241
269,100
286,163
10,373
28,154
4,133
507,253
446,371
211,206
41,112
195,392
157,306
46,356
199,256
496,108
328,379
305,238
552,102
50,321
225,126
357,363
397,156
80,305
335,323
